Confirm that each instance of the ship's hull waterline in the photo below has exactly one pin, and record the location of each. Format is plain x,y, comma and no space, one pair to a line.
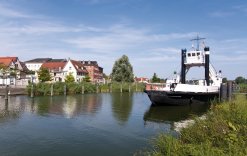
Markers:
180,98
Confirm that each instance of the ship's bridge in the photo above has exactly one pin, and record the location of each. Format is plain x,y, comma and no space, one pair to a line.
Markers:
194,58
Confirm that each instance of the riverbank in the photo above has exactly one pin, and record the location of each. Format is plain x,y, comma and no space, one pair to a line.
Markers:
223,132
61,88
13,91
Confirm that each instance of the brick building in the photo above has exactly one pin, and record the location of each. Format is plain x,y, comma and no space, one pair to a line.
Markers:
95,72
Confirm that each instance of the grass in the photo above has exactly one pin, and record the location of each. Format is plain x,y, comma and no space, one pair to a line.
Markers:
224,132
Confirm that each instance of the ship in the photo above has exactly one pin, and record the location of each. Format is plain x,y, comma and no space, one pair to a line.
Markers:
180,91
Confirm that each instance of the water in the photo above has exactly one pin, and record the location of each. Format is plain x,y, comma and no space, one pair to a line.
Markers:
90,124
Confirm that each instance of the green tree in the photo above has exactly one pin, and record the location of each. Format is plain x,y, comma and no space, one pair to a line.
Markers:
44,75
240,80
87,79
155,78
122,70
69,78
3,69
224,80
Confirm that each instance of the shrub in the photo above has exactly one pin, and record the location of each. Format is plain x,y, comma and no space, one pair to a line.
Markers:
222,133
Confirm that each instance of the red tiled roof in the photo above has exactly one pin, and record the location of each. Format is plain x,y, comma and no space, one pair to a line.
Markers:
79,66
53,65
140,79
14,59
6,61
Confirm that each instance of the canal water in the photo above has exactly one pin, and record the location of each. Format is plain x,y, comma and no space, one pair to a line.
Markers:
92,124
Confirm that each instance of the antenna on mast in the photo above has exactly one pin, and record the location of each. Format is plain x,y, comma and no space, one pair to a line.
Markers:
197,39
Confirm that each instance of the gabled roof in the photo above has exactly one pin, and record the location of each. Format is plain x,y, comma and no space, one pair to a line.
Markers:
6,61
24,67
38,60
79,66
53,65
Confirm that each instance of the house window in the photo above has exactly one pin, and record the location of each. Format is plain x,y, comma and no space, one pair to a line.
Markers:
69,68
189,54
193,54
198,54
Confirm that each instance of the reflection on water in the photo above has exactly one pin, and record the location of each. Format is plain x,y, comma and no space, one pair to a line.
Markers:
122,106
173,113
68,106
89,124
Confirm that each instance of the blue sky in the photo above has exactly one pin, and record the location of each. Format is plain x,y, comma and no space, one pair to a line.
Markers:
150,32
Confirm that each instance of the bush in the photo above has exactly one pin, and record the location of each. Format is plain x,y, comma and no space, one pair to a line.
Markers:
222,133
76,88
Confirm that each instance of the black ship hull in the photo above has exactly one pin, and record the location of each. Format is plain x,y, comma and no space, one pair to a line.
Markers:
180,98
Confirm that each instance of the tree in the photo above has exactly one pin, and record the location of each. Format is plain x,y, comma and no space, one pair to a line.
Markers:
224,80
155,78
87,79
122,70
240,79
69,78
44,75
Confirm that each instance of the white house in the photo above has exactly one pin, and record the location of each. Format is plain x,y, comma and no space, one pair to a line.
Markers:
35,64
11,69
56,70
76,69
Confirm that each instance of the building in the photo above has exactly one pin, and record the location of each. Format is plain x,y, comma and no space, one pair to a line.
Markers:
56,69
11,69
142,80
76,68
35,64
95,72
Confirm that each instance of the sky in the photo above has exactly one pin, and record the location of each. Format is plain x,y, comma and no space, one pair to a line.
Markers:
150,32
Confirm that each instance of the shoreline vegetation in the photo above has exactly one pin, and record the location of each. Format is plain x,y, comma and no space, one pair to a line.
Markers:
223,132
62,88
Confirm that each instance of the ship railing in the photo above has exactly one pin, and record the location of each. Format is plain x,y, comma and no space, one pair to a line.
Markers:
155,86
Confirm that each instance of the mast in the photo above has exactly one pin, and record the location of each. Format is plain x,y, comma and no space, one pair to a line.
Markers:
197,39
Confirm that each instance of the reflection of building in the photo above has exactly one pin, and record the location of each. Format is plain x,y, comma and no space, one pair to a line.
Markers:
70,107
95,72
92,102
15,106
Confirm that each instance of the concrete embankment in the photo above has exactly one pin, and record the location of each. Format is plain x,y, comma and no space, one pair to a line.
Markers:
13,91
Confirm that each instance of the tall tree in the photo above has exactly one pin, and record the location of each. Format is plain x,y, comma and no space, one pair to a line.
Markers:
155,78
44,75
122,70
224,80
240,79
69,78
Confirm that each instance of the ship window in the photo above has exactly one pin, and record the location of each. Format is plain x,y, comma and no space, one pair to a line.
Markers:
189,54
198,54
193,54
